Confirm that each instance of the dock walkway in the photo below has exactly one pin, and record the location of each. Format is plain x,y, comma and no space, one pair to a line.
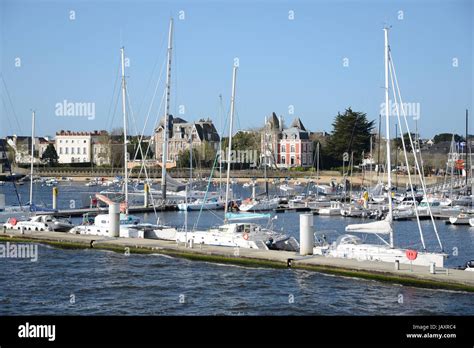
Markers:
412,275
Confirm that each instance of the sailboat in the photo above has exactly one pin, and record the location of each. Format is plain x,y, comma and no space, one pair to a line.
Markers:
352,246
20,211
211,203
236,231
129,225
261,203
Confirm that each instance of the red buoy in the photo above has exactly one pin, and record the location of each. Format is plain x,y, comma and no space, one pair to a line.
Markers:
411,254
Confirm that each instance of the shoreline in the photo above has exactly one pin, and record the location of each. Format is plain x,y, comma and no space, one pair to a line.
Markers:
417,276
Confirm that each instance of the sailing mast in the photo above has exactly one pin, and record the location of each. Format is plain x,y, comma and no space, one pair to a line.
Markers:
124,110
32,156
164,160
317,169
232,106
378,150
387,130
396,156
220,145
467,152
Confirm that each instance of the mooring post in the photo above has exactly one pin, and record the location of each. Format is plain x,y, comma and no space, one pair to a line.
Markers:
145,195
55,197
114,219
306,234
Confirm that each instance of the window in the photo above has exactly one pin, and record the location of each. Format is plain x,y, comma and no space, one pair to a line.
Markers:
72,159
78,150
60,141
292,148
66,141
85,141
292,160
83,150
283,148
72,141
72,151
282,159
303,158
60,150
66,150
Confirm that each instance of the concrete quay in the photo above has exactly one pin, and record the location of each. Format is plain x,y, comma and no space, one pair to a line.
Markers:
419,276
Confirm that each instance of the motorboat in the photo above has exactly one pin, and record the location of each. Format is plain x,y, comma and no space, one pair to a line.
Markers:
40,223
130,227
460,219
262,204
198,204
333,209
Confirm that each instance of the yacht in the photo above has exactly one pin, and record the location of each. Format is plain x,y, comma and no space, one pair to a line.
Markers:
263,204
333,209
351,246
40,223
198,204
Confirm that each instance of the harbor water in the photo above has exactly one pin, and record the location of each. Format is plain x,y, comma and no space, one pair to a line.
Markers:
93,282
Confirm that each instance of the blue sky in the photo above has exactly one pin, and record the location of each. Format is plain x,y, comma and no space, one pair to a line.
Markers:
283,62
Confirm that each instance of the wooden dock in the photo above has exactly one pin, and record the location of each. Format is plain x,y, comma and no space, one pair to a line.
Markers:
420,276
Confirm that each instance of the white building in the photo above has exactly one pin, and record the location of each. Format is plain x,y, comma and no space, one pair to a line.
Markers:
76,147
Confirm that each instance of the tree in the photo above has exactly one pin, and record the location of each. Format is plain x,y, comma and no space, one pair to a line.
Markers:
183,158
50,155
351,133
438,138
406,139
244,141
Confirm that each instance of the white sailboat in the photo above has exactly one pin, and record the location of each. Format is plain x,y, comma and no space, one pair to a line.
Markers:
351,246
129,225
241,234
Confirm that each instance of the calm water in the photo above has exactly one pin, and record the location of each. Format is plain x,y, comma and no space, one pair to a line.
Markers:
103,282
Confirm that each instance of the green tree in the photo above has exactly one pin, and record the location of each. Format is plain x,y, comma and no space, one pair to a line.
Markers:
351,133
50,155
243,141
183,158
406,139
447,137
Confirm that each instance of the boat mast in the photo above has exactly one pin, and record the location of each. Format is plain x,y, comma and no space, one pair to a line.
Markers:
190,162
232,105
317,169
396,156
220,145
124,111
378,150
467,152
265,162
387,130
32,155
371,160
167,111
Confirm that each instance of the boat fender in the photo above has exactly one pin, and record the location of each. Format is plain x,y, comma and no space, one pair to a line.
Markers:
289,262
92,243
13,221
246,236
